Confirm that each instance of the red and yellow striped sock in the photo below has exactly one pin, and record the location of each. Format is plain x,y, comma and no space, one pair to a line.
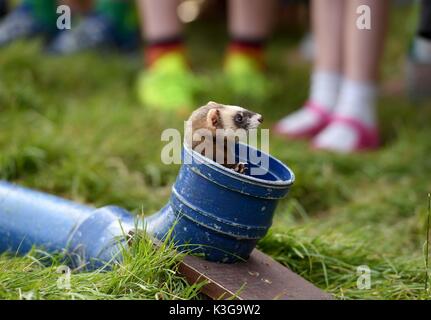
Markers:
156,49
252,49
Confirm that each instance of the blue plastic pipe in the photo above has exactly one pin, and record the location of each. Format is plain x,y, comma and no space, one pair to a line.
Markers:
29,218
212,211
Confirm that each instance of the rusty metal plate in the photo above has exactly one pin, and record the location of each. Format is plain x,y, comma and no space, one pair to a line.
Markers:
260,278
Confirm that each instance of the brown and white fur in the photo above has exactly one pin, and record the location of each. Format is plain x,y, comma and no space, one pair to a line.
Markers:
201,131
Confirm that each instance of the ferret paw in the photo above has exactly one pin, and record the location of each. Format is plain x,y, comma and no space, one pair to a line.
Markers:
240,167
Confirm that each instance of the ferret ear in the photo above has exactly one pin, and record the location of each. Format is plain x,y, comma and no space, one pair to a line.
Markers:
212,104
213,118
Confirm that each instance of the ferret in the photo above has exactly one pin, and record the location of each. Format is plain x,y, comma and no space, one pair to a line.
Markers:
202,131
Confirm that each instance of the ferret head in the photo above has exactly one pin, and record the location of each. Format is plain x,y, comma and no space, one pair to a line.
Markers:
215,116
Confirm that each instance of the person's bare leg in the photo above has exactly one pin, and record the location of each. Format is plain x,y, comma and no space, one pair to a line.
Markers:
363,48
167,81
251,19
362,54
327,28
250,23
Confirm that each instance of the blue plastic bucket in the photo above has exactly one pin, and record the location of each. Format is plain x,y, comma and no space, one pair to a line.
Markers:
212,210
217,212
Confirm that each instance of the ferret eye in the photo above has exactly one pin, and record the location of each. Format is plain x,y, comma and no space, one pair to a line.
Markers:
238,118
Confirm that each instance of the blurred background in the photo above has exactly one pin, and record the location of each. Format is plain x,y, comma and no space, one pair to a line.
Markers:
82,111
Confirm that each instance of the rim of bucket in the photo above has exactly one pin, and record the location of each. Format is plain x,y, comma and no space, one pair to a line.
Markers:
226,171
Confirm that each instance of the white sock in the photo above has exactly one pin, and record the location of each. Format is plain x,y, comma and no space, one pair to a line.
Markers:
422,50
357,101
324,91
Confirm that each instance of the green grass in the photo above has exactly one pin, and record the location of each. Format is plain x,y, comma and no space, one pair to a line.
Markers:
72,126
144,273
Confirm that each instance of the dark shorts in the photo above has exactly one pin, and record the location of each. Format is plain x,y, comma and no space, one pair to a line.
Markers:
424,29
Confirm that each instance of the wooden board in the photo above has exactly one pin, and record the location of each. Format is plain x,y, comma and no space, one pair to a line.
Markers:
260,278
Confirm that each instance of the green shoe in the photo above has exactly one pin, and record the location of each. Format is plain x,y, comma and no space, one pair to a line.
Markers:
245,76
168,84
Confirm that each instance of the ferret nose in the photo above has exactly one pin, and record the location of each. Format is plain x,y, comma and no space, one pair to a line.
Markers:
260,118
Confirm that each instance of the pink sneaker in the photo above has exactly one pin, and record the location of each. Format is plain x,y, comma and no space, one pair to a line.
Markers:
368,137
308,132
